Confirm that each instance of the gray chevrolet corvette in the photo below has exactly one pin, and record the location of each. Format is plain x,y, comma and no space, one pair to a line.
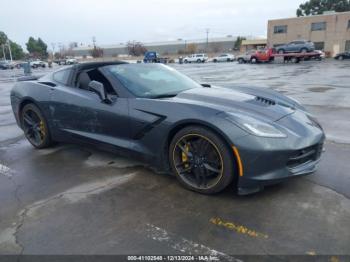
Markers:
208,137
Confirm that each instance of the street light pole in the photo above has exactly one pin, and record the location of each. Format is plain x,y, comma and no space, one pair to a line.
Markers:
207,31
9,46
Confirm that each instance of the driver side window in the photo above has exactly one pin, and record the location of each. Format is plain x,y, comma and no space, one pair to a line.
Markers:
85,77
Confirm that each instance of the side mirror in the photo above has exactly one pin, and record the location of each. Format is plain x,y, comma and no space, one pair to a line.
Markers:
206,85
98,88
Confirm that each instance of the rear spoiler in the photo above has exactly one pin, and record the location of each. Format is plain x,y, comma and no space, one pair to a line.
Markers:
28,78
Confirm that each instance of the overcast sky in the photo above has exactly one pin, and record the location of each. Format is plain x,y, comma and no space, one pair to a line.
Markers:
116,21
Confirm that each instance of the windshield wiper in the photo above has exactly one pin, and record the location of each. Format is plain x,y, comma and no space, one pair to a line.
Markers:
164,95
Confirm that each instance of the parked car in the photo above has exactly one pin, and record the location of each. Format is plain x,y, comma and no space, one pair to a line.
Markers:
299,46
342,56
6,65
60,61
196,58
37,63
224,58
245,58
71,61
209,137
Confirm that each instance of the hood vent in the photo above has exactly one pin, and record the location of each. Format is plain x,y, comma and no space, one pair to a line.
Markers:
265,101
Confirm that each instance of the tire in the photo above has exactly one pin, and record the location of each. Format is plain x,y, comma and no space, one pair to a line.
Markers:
219,170
185,61
294,60
240,61
341,57
281,51
253,60
42,137
215,61
199,61
228,60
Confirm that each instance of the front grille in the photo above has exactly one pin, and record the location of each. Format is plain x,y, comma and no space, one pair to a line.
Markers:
305,155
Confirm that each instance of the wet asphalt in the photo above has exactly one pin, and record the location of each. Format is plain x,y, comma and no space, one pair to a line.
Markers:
71,199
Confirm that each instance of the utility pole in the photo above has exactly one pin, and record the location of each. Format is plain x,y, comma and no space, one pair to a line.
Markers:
53,50
9,46
94,41
3,51
207,32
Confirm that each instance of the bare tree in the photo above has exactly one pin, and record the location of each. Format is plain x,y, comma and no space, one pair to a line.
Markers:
191,48
136,48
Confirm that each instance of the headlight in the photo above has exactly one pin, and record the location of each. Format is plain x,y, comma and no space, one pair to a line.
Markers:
254,126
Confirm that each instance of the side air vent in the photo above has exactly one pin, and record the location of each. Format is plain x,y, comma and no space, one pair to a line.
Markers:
48,84
266,101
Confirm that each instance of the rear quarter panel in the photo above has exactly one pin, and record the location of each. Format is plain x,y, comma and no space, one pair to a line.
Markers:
31,91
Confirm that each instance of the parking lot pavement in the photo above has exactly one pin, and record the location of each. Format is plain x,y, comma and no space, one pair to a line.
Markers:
75,200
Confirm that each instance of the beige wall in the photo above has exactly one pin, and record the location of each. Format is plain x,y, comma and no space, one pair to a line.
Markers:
334,37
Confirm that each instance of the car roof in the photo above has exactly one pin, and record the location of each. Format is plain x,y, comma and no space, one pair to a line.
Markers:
88,65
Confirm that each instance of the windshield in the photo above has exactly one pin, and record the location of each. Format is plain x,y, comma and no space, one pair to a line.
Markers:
152,80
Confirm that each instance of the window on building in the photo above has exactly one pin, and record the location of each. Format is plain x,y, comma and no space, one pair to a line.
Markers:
347,46
319,45
321,26
280,29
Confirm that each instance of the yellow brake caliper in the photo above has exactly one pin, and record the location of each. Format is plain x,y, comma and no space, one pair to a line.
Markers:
184,156
42,129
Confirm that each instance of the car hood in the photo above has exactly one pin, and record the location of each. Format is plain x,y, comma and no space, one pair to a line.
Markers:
263,104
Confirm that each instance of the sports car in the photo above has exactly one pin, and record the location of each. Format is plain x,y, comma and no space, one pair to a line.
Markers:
209,137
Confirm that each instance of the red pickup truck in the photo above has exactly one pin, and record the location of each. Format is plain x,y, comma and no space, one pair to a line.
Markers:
270,55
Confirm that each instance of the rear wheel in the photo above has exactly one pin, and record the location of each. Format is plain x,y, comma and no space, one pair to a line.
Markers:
35,126
341,57
281,51
201,160
240,60
199,61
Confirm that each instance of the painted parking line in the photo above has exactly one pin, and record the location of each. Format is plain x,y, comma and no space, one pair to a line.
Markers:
237,228
184,245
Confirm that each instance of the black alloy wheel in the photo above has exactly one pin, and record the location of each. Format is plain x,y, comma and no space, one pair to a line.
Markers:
35,126
201,160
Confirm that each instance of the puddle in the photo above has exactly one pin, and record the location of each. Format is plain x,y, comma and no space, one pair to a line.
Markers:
320,89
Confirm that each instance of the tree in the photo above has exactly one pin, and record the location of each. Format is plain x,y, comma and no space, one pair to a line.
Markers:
317,7
136,48
37,48
238,43
191,48
16,51
3,40
96,52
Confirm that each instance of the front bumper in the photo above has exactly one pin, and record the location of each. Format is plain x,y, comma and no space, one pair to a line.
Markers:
268,161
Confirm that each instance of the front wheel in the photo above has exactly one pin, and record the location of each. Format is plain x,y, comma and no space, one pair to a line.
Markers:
201,160
341,58
253,60
35,126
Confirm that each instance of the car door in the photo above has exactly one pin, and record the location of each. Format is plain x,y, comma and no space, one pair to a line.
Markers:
290,47
81,114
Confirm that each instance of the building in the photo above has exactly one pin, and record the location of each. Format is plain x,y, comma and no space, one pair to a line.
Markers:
330,32
215,45
253,44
